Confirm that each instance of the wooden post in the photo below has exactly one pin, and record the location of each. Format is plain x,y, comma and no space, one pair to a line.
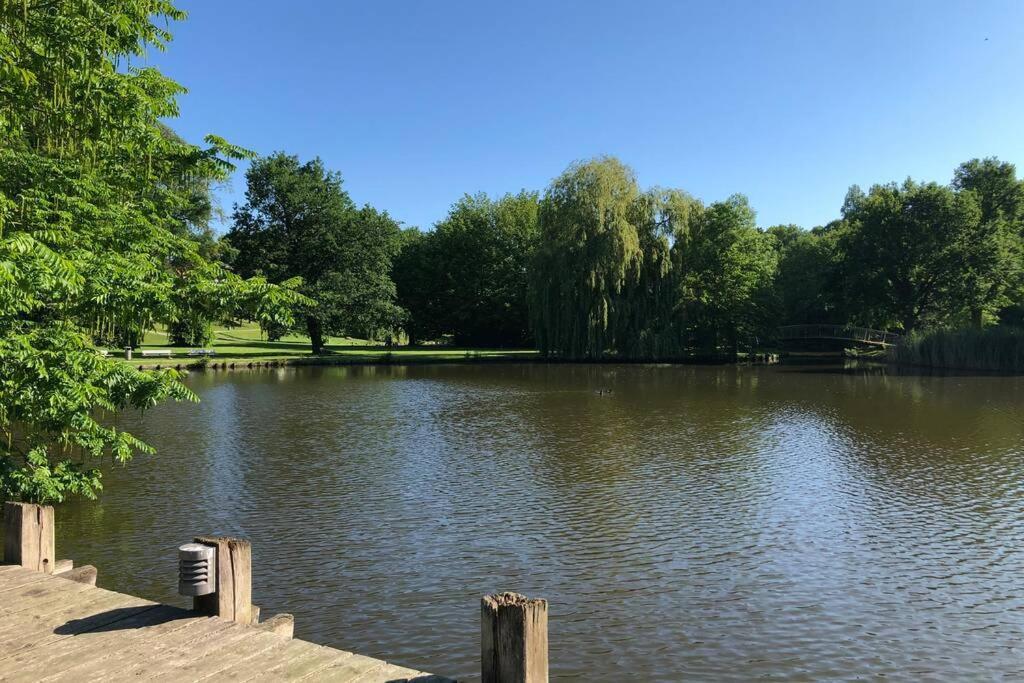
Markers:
513,639
233,597
28,536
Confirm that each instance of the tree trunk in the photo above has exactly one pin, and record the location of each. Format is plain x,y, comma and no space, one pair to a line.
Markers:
976,321
315,330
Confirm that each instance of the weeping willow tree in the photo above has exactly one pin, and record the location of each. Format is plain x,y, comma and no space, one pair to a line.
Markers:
94,203
589,252
646,275
651,316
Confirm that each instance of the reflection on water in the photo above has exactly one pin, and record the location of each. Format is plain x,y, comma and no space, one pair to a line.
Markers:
694,523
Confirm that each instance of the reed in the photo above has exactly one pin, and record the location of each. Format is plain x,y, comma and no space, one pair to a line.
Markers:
997,349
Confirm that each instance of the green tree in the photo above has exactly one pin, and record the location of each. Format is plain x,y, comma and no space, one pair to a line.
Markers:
415,274
298,222
649,317
588,252
94,238
806,281
726,270
904,252
481,255
993,253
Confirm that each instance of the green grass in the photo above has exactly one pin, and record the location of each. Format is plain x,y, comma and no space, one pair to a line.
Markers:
246,344
996,349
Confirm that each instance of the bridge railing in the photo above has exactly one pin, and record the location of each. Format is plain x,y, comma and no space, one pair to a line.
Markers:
864,335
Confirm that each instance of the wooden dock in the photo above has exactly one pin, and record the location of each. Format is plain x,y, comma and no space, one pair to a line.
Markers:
56,629
57,626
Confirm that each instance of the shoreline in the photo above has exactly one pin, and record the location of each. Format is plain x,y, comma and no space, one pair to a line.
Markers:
513,357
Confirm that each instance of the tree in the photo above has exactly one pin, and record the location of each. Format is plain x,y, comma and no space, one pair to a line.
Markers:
649,320
588,251
806,281
993,254
904,251
93,236
298,222
726,270
482,250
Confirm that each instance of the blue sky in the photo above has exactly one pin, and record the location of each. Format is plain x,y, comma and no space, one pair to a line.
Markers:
789,102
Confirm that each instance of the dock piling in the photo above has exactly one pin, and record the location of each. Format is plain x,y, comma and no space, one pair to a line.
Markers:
513,639
232,598
28,536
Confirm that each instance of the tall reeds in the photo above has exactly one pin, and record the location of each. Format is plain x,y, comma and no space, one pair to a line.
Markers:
999,349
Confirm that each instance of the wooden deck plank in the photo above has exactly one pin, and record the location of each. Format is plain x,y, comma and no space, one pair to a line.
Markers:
132,658
38,596
152,658
240,655
181,663
19,577
390,673
60,631
286,649
35,631
132,654
161,623
302,664
401,674
348,669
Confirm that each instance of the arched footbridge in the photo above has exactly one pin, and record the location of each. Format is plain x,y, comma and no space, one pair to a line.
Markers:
858,335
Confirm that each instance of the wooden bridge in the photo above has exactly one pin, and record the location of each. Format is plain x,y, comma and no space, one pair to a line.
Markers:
858,335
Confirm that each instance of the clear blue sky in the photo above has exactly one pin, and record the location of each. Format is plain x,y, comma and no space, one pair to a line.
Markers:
789,102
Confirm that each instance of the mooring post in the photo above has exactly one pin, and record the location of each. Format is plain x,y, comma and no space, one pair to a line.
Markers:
513,639
232,598
28,536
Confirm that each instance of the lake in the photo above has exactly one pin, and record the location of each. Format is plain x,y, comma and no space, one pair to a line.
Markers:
699,523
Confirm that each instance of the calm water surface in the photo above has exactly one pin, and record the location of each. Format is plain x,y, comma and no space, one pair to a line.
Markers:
697,523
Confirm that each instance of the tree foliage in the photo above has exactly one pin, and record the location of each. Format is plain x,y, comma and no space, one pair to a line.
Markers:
468,276
298,222
589,251
652,274
993,250
96,202
904,253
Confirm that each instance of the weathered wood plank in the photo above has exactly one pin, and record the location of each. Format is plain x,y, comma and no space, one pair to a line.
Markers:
38,597
22,576
162,624
390,673
133,654
273,657
34,631
241,650
149,658
304,660
201,658
348,669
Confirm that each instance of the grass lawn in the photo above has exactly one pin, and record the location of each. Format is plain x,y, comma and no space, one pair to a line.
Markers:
245,344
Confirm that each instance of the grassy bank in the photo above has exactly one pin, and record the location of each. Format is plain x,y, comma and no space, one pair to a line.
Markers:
997,349
243,345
